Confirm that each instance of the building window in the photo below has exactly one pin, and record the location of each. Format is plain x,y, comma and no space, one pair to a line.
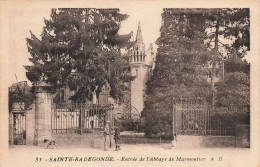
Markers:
137,58
134,59
136,73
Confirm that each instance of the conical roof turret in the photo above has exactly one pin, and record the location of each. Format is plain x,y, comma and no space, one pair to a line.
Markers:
139,37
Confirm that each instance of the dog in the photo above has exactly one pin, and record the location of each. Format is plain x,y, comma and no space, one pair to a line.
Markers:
118,147
50,144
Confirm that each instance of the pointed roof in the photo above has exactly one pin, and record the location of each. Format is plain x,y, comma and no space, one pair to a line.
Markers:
139,37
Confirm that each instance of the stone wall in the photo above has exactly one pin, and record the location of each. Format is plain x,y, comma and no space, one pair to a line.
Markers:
187,141
10,128
43,116
243,136
30,125
242,139
94,139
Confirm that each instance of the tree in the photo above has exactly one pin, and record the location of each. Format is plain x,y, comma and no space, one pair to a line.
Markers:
190,39
233,97
80,49
22,97
233,93
180,68
228,30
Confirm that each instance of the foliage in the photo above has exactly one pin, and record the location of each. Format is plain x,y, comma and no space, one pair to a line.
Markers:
228,29
189,40
228,33
20,97
233,95
81,49
237,65
130,124
180,68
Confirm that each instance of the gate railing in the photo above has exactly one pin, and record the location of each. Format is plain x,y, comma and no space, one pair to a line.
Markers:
19,128
80,118
201,119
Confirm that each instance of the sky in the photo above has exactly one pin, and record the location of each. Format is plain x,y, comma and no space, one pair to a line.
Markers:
25,20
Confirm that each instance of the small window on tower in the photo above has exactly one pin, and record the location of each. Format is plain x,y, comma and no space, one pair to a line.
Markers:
144,58
136,73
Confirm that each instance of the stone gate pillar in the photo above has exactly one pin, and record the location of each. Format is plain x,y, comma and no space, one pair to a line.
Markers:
43,104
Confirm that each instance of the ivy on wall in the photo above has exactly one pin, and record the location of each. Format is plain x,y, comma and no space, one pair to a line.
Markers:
25,99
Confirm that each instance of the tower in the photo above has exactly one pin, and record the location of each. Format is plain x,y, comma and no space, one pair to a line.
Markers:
141,68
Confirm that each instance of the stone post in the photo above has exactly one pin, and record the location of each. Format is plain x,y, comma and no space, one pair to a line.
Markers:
174,138
43,106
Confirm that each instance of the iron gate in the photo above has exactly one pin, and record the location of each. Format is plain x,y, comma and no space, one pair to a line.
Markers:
200,119
80,118
19,129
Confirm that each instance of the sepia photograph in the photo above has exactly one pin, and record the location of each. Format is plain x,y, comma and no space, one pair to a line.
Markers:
134,83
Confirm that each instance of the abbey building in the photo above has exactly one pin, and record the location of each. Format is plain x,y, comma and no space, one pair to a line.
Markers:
142,64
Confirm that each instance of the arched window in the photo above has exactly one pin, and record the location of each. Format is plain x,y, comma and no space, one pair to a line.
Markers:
134,58
144,58
137,58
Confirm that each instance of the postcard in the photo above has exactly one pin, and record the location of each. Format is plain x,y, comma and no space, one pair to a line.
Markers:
129,83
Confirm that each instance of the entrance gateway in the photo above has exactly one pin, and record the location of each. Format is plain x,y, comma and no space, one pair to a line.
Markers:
19,128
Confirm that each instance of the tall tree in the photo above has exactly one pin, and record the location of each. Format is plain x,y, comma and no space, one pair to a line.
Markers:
228,36
81,49
190,38
180,68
